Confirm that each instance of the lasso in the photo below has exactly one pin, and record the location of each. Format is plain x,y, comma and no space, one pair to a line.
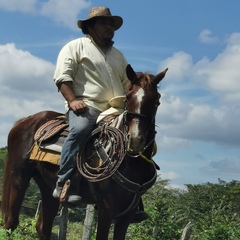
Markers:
103,153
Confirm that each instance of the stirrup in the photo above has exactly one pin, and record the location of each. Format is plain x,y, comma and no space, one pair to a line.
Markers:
66,199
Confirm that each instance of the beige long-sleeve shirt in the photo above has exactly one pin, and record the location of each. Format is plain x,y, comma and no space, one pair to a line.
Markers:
96,77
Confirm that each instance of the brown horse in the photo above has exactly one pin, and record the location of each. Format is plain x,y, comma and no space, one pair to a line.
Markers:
117,197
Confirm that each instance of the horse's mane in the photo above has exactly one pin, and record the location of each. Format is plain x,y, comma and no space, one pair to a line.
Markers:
148,77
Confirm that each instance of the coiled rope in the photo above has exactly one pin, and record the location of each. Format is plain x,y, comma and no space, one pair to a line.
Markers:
103,153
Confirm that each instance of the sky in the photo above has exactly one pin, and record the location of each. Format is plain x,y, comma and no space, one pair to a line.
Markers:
198,130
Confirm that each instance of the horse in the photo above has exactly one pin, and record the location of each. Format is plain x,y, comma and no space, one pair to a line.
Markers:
116,196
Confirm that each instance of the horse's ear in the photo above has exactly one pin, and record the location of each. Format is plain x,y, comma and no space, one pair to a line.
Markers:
160,76
130,73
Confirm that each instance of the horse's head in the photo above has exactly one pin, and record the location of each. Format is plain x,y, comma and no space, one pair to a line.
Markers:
142,101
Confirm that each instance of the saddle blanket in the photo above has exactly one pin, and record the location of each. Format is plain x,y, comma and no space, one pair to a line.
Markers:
37,154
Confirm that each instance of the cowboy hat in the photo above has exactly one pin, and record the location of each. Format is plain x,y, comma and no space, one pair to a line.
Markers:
117,102
101,12
109,111
117,105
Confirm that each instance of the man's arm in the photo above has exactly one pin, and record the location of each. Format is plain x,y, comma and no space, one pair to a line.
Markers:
66,88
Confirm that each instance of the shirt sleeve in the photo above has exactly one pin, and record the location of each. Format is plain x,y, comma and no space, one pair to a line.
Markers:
66,65
125,82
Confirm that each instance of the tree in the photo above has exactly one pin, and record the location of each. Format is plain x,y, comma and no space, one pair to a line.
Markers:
165,222
213,209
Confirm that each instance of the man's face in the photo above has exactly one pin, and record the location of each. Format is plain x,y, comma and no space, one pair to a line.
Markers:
104,28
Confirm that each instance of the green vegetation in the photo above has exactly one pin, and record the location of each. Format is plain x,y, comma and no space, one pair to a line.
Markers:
26,230
3,154
213,209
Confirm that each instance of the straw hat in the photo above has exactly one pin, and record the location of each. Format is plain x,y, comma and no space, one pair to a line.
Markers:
117,105
117,102
101,12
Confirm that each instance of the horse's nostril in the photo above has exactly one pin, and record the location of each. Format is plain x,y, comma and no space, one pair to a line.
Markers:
135,144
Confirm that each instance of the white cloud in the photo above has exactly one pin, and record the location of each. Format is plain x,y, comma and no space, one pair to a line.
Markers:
196,122
64,12
206,36
219,76
5,126
26,87
223,73
19,109
227,167
60,11
171,143
12,109
204,104
22,71
179,66
171,175
234,39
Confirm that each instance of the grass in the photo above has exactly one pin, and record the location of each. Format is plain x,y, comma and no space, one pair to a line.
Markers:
26,230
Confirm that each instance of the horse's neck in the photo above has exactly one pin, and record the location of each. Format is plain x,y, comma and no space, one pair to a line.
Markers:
136,169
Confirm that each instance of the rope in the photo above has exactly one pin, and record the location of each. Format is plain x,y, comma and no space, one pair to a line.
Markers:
154,151
104,141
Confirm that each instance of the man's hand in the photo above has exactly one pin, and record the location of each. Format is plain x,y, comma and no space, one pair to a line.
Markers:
78,106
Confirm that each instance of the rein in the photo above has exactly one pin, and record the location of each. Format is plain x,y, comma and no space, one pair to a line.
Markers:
134,115
133,187
140,154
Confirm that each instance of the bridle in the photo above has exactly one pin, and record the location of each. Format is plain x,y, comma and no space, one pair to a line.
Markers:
136,188
128,115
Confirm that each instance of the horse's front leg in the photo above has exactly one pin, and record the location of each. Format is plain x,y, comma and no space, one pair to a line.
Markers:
104,223
121,226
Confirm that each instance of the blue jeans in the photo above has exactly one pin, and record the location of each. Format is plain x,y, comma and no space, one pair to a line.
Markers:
80,127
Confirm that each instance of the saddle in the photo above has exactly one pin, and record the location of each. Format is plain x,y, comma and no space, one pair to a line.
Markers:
51,128
51,135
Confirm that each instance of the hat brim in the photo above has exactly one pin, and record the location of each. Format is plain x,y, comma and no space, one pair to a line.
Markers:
117,102
109,111
118,21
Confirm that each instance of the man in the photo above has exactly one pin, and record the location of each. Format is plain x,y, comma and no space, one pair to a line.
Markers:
89,72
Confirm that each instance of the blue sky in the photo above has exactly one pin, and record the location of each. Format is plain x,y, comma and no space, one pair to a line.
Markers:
199,41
